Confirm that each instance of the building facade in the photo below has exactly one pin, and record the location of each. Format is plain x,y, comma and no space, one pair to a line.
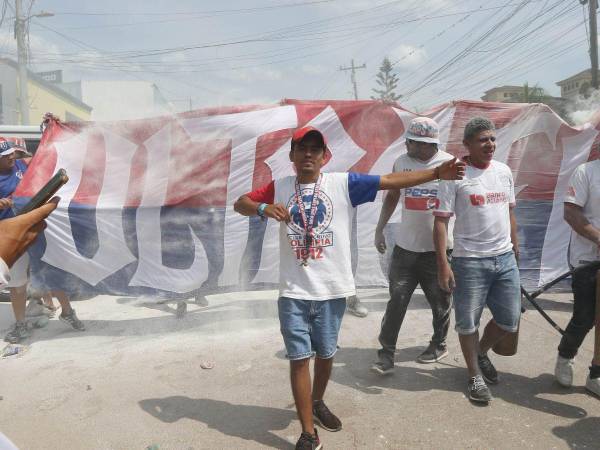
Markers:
42,98
504,94
576,85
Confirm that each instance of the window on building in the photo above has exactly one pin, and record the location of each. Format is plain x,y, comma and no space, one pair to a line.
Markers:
505,94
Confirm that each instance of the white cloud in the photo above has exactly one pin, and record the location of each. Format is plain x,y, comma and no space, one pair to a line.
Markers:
253,74
408,57
314,69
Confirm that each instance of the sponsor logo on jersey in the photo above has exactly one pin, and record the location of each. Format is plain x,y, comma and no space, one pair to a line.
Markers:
488,198
420,199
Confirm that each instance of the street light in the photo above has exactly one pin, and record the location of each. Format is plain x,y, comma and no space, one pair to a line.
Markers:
22,58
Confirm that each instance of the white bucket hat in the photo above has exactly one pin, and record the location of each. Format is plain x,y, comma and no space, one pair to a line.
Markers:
423,129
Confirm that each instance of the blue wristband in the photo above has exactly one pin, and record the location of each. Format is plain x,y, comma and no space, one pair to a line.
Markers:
261,210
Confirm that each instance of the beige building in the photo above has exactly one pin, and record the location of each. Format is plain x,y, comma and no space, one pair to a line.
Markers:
576,85
43,97
505,94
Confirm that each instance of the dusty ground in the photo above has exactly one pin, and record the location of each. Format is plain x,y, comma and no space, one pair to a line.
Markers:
134,380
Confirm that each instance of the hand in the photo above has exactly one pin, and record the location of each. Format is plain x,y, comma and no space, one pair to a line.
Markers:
446,279
278,212
451,170
6,203
380,242
17,233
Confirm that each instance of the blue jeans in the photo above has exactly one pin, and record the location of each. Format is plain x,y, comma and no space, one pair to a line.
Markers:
310,327
492,281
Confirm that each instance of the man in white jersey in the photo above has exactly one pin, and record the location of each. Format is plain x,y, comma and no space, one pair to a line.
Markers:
413,258
315,210
484,260
582,213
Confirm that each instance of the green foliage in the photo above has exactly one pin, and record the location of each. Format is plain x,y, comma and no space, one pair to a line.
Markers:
387,81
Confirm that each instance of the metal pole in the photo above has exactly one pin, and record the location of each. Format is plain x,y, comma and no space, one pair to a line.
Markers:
352,69
22,63
593,5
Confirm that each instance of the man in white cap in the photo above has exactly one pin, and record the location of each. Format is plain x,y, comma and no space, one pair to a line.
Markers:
413,258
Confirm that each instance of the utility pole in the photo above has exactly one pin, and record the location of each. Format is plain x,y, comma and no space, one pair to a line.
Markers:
353,68
22,63
593,5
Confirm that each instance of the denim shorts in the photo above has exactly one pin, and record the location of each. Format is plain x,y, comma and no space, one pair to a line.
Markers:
492,281
310,327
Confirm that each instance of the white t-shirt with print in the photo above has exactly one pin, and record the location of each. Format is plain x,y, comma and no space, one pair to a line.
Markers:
481,203
328,274
584,191
415,231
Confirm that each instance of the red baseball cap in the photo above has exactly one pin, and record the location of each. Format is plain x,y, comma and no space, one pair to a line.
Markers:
301,133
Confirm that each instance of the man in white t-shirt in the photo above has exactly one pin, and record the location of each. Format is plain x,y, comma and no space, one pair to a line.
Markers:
413,258
484,260
315,211
582,213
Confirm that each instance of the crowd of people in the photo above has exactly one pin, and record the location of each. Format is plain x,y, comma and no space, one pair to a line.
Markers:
457,239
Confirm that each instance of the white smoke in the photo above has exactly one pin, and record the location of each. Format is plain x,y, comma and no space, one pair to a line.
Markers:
582,109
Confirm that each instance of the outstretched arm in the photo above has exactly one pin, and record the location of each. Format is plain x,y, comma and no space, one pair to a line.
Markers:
449,170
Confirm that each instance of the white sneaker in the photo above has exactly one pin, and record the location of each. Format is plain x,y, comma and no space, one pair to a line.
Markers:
563,371
354,306
593,385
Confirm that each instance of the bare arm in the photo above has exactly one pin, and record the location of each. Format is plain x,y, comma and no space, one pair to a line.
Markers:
449,170
573,215
248,207
17,233
513,231
440,241
389,206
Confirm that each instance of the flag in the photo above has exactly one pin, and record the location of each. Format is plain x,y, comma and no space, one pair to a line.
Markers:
149,203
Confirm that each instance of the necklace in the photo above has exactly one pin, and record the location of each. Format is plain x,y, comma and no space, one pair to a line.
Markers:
308,222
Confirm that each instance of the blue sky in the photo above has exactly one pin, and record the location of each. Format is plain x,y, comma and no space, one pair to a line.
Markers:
259,51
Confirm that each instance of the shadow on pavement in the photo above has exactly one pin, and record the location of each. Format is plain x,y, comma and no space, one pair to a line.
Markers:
583,433
251,423
352,369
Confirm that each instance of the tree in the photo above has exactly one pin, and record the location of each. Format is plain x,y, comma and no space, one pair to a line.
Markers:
538,94
387,81
533,94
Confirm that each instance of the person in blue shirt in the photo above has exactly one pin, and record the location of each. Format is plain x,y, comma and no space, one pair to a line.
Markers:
12,170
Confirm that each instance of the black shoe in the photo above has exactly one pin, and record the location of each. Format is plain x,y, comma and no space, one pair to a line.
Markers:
433,353
324,417
308,441
478,390
489,372
384,364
